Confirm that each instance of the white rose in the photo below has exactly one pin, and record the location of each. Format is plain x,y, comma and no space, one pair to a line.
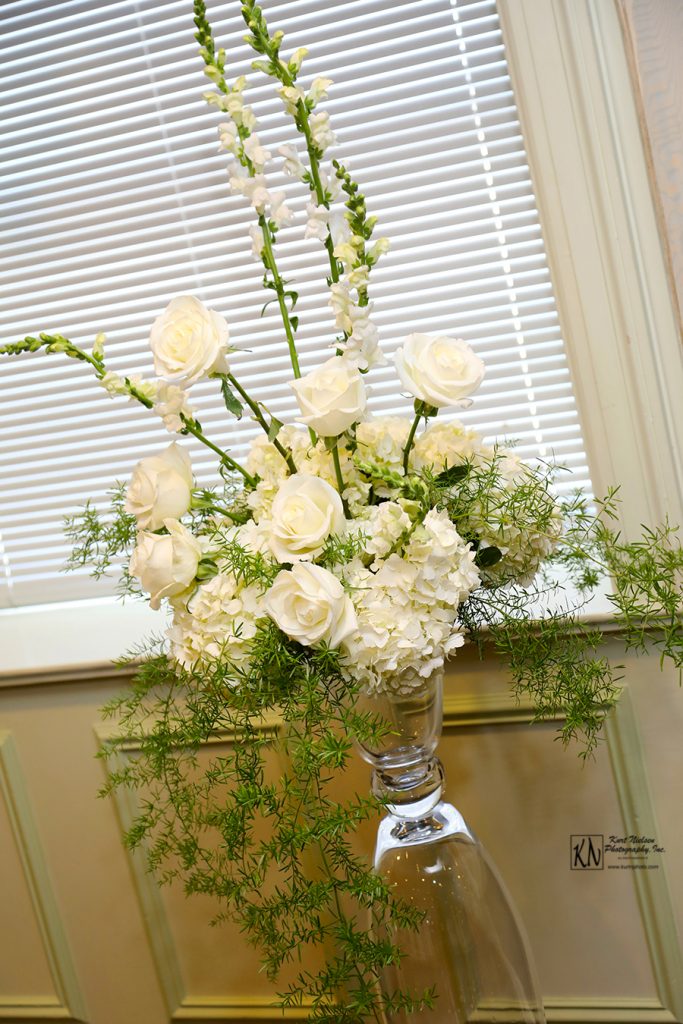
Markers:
306,510
160,488
189,341
165,564
439,370
309,604
331,398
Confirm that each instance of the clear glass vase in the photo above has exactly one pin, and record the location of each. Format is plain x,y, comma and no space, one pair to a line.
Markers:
470,946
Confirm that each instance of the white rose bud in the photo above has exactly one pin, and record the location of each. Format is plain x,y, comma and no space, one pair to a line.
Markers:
306,511
309,604
160,488
332,397
166,564
189,341
439,370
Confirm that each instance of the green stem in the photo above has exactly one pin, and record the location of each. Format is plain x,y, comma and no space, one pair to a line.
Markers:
280,292
338,474
341,916
226,459
409,442
260,418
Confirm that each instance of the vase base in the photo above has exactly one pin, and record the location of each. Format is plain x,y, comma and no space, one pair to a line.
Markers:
470,947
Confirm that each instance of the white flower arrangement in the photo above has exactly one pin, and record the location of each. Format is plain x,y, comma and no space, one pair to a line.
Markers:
349,553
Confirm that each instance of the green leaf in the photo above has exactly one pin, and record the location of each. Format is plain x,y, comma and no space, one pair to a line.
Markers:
453,474
206,569
232,402
274,428
486,557
294,321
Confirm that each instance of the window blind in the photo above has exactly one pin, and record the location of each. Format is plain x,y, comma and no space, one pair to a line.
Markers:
115,199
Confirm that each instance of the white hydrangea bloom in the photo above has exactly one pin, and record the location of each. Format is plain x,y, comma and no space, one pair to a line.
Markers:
382,441
451,444
406,607
219,622
447,444
382,526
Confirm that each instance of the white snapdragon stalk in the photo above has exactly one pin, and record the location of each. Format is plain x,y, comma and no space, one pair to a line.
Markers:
166,564
305,512
322,221
257,240
229,138
256,153
332,397
321,132
291,162
160,488
378,249
113,384
291,95
310,605
189,341
253,188
171,404
280,213
293,65
319,88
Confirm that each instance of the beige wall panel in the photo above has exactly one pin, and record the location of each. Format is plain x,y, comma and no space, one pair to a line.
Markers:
524,796
24,965
53,727
147,956
200,965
